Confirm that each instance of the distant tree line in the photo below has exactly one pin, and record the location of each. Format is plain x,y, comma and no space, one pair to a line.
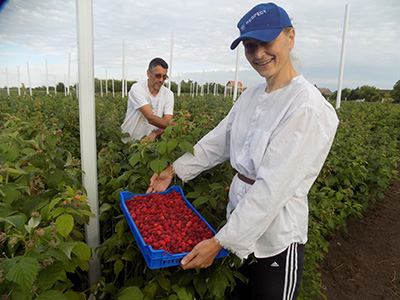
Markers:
370,94
365,92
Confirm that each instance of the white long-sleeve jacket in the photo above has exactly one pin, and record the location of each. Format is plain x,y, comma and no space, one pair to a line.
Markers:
281,140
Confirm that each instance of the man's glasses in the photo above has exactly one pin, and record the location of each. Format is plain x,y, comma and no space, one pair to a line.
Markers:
158,76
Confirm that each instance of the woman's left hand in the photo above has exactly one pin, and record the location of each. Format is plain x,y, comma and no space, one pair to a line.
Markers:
202,255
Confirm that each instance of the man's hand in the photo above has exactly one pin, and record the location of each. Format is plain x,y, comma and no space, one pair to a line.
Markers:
162,182
202,255
153,135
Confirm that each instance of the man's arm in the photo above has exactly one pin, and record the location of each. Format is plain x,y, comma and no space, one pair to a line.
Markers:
153,119
160,131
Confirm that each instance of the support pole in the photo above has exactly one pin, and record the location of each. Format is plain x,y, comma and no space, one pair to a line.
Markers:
106,83
47,78
236,75
87,124
123,69
29,79
69,73
170,59
346,24
8,87
19,82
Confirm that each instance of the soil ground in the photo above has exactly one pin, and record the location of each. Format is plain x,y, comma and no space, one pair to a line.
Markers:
365,262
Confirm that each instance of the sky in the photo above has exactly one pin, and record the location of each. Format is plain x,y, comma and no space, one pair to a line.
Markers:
39,33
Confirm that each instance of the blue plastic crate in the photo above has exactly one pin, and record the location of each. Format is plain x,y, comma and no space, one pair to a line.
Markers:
159,258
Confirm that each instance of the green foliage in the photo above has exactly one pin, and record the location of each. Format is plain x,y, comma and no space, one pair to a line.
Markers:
43,209
395,93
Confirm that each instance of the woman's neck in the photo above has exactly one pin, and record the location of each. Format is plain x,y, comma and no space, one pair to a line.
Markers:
280,80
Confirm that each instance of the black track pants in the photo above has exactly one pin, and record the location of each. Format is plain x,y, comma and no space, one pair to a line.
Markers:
273,278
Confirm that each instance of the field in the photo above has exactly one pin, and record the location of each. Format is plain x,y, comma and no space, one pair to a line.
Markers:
44,208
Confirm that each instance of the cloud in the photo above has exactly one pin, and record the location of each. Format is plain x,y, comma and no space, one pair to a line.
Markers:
203,31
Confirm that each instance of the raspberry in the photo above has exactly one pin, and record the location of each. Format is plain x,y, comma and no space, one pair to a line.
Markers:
166,222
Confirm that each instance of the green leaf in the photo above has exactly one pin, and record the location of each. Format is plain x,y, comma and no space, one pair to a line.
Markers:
71,295
65,224
168,130
217,284
201,200
24,272
161,147
45,212
70,191
32,224
118,267
51,142
52,295
66,248
54,178
120,227
200,285
186,147
150,290
164,283
17,220
49,275
10,194
339,196
171,145
82,251
182,293
158,165
193,195
131,293
134,159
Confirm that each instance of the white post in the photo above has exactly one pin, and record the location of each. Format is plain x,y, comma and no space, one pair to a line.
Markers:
77,85
215,89
236,75
29,79
113,87
87,121
101,88
346,23
170,59
225,91
47,78
106,83
126,80
8,87
202,85
69,72
179,84
123,69
65,87
19,82
55,85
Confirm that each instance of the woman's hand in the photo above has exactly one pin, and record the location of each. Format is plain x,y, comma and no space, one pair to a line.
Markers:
202,255
159,183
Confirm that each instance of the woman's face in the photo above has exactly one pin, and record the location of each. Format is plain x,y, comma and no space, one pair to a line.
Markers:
270,59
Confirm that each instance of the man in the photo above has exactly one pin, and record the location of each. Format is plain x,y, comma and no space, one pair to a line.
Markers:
150,105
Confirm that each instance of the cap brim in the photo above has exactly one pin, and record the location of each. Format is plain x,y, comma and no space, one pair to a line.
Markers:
264,35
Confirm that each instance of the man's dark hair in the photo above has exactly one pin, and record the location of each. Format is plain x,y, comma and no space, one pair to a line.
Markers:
157,62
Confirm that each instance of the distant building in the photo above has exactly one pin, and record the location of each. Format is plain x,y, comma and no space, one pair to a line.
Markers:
230,86
325,92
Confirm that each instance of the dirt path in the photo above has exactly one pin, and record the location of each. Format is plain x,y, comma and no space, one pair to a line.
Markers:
365,262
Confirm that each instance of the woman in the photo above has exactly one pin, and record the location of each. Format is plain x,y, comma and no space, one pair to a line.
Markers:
277,136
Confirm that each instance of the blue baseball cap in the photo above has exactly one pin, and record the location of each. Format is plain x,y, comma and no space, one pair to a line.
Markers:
264,22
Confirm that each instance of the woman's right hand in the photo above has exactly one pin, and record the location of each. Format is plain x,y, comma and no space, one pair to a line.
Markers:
159,183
